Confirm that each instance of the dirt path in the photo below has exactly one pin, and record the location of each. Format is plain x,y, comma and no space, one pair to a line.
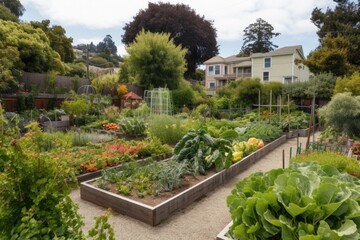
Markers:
203,219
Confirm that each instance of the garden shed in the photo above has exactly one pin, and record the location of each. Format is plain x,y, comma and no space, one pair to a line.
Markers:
130,100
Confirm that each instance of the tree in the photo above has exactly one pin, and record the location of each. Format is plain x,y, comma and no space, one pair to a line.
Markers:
58,40
348,84
185,27
14,6
257,38
343,20
23,48
331,57
155,60
6,14
107,46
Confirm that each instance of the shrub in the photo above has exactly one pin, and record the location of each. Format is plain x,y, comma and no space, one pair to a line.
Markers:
132,126
343,114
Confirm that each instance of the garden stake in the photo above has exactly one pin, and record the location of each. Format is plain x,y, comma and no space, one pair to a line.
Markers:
290,152
283,158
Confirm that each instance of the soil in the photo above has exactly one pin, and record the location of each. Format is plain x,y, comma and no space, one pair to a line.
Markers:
188,182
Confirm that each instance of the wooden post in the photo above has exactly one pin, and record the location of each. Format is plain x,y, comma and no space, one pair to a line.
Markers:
270,106
259,97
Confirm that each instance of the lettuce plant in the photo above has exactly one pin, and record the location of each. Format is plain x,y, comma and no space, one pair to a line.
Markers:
306,202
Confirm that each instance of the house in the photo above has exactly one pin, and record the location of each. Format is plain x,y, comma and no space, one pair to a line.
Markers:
278,65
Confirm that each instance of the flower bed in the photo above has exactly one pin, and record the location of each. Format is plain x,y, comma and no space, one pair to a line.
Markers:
154,215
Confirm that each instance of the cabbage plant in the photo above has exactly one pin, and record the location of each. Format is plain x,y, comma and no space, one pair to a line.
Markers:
306,202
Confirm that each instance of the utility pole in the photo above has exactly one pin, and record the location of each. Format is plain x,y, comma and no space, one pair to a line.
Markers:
87,61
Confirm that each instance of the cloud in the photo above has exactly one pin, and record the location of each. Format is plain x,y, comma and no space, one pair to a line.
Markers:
230,17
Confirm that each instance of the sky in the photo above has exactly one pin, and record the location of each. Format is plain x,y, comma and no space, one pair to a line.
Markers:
91,20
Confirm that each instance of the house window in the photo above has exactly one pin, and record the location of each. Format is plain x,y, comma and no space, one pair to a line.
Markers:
287,80
266,76
217,69
225,70
212,85
267,62
214,70
247,70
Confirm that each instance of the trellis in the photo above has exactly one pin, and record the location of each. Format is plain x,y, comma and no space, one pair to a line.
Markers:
159,100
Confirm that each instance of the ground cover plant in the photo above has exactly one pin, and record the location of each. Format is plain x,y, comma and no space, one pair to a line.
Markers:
305,201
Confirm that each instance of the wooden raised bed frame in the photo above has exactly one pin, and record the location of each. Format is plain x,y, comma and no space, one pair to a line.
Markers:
154,215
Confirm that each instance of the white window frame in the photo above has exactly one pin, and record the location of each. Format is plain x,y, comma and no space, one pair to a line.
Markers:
268,76
219,70
265,58
213,69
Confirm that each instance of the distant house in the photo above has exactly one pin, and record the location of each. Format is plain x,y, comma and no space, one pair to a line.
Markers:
275,66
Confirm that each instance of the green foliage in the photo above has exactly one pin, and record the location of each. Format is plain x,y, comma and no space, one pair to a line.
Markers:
183,96
102,62
321,84
58,40
340,20
102,230
103,82
348,84
107,46
7,15
200,151
332,57
167,128
25,48
154,147
132,126
266,132
342,162
257,38
14,6
343,114
34,196
155,61
306,201
75,107
188,29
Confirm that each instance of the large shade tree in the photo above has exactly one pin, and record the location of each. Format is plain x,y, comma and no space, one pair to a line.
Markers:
185,27
155,61
342,20
14,6
332,57
107,46
24,48
6,14
257,38
58,40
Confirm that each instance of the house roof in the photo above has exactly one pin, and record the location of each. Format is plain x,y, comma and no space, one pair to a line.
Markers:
132,96
216,59
281,51
219,59
243,64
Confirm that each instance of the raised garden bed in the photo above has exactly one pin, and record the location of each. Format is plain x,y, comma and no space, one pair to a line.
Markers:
154,215
222,234
300,132
91,175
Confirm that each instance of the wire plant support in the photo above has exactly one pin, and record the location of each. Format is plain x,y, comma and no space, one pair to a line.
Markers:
159,100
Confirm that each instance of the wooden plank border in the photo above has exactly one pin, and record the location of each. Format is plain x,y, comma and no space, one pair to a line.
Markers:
154,215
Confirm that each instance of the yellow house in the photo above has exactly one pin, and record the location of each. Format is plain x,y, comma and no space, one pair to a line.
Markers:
277,66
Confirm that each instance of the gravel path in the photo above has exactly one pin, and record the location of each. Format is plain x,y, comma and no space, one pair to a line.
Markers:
203,219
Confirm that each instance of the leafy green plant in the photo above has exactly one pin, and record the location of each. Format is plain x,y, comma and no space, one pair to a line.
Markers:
170,176
266,132
102,230
132,126
167,128
306,201
200,151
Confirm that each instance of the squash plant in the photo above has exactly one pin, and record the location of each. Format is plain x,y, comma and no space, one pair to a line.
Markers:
306,201
201,151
